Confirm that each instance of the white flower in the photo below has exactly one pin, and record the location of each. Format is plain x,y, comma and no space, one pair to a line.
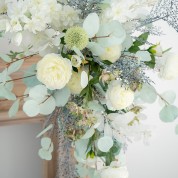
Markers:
169,70
54,71
156,50
75,83
76,60
118,97
65,18
112,172
15,25
112,53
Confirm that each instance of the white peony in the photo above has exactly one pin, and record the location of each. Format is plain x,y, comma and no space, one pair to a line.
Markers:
54,71
169,70
118,97
75,83
112,53
110,172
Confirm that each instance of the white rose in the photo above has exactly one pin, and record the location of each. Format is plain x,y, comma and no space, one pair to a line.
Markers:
156,50
110,172
54,71
112,53
75,83
169,70
118,97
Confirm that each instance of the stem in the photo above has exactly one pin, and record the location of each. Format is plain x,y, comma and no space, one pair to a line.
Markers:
96,37
12,80
22,96
23,58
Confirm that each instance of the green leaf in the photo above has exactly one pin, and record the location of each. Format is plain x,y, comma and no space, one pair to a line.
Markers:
169,113
45,154
31,108
45,143
141,40
105,143
95,106
133,49
31,81
14,108
47,106
62,96
7,94
147,94
15,66
89,133
45,130
5,58
168,96
151,63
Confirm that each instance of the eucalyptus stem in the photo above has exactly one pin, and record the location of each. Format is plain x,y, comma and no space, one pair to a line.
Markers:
12,80
19,97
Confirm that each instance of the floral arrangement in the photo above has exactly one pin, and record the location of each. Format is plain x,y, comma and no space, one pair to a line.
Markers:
91,80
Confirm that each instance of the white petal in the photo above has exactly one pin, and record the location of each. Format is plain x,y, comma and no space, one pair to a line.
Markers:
84,79
91,24
17,39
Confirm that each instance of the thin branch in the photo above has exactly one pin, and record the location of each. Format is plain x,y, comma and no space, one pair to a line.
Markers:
12,80
22,96
23,58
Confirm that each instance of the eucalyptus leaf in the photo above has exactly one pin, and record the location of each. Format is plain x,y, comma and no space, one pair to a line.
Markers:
95,106
5,58
31,81
45,143
38,93
62,96
45,130
89,133
47,106
168,96
147,94
31,108
45,154
14,108
7,94
15,66
143,56
169,113
105,143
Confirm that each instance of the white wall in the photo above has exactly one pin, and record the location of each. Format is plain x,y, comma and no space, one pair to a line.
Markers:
19,151
160,158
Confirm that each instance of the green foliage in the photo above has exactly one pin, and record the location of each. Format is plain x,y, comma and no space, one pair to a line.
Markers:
62,96
151,63
141,40
169,113
14,108
5,58
31,81
45,130
6,93
15,66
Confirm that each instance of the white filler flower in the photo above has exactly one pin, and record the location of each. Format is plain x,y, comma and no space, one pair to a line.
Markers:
118,97
54,71
110,172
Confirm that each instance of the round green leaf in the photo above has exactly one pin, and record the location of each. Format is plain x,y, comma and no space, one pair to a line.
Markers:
31,108
147,94
169,96
46,143
38,93
62,96
143,56
169,113
89,133
105,143
48,106
44,154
